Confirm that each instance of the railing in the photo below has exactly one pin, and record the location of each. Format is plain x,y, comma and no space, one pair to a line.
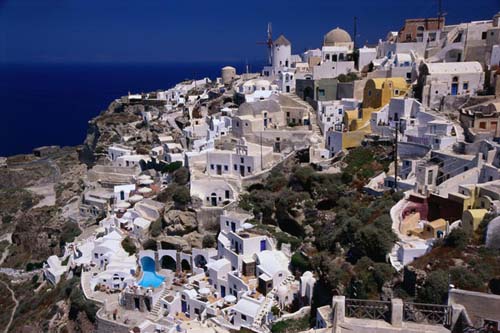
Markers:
427,313
366,309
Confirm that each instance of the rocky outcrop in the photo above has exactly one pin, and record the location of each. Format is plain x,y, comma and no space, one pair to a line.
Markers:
174,243
180,222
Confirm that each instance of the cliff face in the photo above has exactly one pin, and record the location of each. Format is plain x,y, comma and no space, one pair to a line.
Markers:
37,199
120,123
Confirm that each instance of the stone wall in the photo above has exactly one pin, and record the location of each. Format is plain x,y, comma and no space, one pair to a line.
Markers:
478,305
107,326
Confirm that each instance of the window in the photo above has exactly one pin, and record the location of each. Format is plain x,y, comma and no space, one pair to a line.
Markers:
246,124
242,160
237,124
482,125
226,168
249,169
227,194
211,166
429,177
321,92
484,35
243,317
235,167
369,92
396,92
466,86
227,223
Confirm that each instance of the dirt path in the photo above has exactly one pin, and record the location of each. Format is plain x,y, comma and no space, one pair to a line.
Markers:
13,296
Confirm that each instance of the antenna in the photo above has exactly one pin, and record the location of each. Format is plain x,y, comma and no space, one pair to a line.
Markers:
269,43
441,14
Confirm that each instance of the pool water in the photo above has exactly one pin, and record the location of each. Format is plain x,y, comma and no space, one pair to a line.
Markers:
149,276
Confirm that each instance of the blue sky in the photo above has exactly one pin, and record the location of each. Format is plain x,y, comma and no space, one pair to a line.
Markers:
197,31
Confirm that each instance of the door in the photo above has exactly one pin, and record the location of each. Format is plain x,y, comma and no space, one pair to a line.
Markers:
219,169
242,170
263,245
222,291
214,199
454,89
233,227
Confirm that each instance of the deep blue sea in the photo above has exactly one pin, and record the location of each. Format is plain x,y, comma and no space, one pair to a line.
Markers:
50,104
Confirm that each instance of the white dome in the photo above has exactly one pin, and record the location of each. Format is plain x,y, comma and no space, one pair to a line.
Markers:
336,35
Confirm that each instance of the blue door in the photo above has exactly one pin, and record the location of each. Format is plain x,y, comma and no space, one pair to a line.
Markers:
263,245
454,89
184,306
222,291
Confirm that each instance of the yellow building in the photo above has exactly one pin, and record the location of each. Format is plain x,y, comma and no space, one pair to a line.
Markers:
472,217
378,92
356,123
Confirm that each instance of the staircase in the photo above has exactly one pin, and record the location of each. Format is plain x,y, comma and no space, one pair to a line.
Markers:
258,323
155,311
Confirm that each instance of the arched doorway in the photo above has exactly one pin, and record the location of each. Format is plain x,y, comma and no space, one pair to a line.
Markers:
213,199
454,86
200,262
167,262
185,266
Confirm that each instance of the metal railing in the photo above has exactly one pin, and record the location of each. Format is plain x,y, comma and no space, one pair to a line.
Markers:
367,309
427,313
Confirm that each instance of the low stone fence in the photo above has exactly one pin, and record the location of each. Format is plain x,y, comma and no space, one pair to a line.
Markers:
395,312
301,313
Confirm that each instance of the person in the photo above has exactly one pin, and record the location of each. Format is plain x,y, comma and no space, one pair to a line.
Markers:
115,313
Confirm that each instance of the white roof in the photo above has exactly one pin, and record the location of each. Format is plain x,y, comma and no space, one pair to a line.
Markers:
272,262
454,67
247,306
218,264
125,188
142,223
335,49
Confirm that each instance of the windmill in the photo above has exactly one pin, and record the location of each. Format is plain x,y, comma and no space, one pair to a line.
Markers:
269,43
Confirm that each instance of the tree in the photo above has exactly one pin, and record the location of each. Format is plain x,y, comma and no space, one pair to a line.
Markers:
129,246
374,242
435,288
181,176
181,196
208,241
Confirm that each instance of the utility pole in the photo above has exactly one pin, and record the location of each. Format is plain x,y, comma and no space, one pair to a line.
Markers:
261,151
396,158
355,29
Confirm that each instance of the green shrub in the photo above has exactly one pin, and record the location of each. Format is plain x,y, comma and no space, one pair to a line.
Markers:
435,288
150,244
156,227
457,238
181,196
208,241
300,262
70,231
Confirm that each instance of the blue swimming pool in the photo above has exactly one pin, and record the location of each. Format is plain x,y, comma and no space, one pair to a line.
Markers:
149,276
